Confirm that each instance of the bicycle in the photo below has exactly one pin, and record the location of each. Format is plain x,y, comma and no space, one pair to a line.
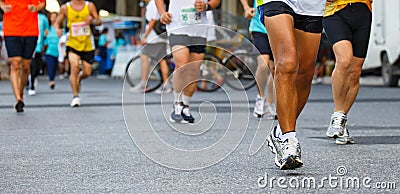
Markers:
133,70
236,70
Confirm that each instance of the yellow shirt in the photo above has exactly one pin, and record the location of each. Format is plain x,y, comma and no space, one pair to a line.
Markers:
334,7
80,36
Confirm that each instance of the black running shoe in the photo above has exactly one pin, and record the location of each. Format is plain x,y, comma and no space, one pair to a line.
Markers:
19,106
186,116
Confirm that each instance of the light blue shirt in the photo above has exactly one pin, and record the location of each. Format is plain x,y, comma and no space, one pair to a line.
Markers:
116,44
43,26
52,42
102,40
255,23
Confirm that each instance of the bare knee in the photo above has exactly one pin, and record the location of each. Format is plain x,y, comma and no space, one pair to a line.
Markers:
287,66
75,70
343,64
15,64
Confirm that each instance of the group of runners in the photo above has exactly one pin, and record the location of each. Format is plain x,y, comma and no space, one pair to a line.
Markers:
287,33
21,33
290,35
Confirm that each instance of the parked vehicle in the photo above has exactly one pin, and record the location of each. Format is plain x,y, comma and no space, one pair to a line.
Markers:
384,45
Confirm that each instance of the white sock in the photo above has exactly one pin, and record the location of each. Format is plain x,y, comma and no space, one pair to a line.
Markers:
291,135
339,113
186,99
177,97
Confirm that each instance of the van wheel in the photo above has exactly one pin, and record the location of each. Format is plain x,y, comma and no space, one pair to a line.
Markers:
389,79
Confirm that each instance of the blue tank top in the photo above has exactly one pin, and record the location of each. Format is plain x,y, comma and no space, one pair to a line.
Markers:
255,23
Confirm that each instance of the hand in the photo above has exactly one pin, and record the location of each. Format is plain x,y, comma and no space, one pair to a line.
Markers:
89,20
142,41
32,8
200,5
249,13
166,18
59,32
6,8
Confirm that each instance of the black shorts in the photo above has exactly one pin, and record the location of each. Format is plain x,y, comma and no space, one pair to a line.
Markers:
195,44
305,23
352,23
261,42
87,56
21,46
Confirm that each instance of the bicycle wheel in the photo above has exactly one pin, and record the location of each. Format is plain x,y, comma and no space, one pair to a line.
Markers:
134,71
241,67
211,74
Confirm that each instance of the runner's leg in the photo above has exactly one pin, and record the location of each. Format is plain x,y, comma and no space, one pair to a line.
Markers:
74,76
307,49
15,76
282,38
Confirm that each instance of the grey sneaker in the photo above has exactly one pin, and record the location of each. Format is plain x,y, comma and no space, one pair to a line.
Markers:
259,109
337,125
176,112
291,155
345,139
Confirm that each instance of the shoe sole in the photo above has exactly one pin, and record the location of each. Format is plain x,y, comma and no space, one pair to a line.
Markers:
258,115
76,105
344,140
291,163
335,135
272,117
175,121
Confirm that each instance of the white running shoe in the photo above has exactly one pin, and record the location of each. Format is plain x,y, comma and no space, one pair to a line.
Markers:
291,155
76,102
270,112
337,125
345,139
139,88
259,110
31,92
164,89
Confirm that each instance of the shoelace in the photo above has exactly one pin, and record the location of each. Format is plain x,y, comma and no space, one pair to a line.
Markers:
288,147
338,120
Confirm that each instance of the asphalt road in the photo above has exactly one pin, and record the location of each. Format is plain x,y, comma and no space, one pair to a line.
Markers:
110,146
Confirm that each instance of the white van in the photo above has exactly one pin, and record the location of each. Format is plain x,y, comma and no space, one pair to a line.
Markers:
384,45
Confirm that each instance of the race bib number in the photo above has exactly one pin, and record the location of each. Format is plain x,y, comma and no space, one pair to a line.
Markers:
190,16
80,29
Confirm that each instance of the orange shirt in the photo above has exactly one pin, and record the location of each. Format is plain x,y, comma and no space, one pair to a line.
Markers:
20,21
